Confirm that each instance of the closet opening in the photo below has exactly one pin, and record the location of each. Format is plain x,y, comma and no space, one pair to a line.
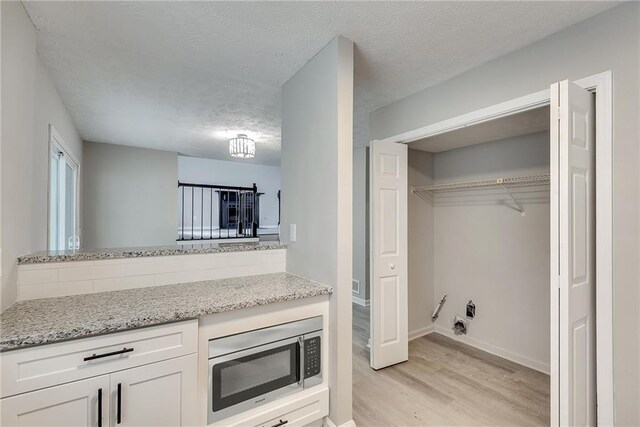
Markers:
482,253
479,249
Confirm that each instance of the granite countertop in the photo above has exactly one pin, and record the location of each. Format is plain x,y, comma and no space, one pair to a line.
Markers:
118,253
49,320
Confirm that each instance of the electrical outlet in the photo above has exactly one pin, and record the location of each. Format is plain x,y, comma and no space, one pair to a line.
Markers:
292,233
471,310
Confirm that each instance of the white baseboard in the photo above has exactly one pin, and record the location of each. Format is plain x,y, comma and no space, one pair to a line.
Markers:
498,351
360,301
329,423
420,332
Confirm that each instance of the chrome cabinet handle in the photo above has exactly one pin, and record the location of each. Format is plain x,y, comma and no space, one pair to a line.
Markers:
100,407
119,405
95,356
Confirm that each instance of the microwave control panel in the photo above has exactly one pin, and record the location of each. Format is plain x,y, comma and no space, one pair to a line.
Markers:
312,357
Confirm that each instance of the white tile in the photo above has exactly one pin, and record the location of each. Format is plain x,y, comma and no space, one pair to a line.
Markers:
193,276
33,277
152,259
167,265
221,273
115,261
196,262
168,278
274,267
246,258
279,255
76,277
119,283
55,290
82,272
104,271
203,262
29,267
49,265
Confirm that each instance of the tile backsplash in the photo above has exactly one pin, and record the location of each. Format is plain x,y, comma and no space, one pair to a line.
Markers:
83,277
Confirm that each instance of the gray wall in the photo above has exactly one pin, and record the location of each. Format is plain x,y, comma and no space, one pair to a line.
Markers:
317,152
487,252
129,196
420,244
609,41
30,103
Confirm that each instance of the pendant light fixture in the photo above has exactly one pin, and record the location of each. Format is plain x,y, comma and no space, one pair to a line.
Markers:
242,147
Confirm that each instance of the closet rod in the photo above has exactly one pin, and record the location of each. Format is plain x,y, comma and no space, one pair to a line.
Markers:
511,182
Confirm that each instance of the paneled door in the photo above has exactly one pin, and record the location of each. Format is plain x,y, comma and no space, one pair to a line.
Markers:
573,374
388,210
77,404
159,394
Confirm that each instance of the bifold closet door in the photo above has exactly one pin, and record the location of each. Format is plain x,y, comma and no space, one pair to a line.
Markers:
573,373
388,209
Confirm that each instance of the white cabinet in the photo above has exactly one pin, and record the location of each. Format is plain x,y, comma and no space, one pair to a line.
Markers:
303,412
154,395
159,394
72,383
48,365
75,404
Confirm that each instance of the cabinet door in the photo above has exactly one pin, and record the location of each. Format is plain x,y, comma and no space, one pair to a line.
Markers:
71,405
159,394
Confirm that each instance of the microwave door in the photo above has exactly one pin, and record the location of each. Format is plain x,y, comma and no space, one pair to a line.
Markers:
245,379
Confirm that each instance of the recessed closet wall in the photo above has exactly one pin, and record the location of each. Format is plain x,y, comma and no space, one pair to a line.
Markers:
420,241
472,245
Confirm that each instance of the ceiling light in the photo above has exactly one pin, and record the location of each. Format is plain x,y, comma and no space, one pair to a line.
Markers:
242,147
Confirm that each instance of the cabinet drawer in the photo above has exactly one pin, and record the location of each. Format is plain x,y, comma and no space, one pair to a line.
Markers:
39,367
301,416
298,409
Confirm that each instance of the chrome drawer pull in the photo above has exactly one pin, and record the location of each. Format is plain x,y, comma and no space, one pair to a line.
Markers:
100,407
119,405
113,353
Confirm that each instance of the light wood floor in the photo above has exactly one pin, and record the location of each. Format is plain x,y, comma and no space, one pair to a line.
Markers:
444,383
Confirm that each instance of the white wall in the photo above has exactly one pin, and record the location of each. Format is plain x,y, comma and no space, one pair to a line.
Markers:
609,41
317,152
129,196
360,222
487,252
30,102
207,171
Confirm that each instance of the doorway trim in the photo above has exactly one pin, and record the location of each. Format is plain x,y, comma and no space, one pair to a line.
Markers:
602,85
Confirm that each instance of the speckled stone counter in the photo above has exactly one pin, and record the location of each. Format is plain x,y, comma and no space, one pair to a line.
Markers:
50,320
119,253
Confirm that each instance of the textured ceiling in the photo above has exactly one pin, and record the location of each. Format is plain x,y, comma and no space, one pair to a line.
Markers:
187,76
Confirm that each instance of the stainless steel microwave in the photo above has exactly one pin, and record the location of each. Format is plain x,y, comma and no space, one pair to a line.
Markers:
252,368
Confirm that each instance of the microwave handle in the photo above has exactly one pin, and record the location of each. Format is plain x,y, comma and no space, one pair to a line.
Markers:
301,368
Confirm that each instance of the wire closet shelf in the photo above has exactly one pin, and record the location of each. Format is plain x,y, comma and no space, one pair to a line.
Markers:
508,183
